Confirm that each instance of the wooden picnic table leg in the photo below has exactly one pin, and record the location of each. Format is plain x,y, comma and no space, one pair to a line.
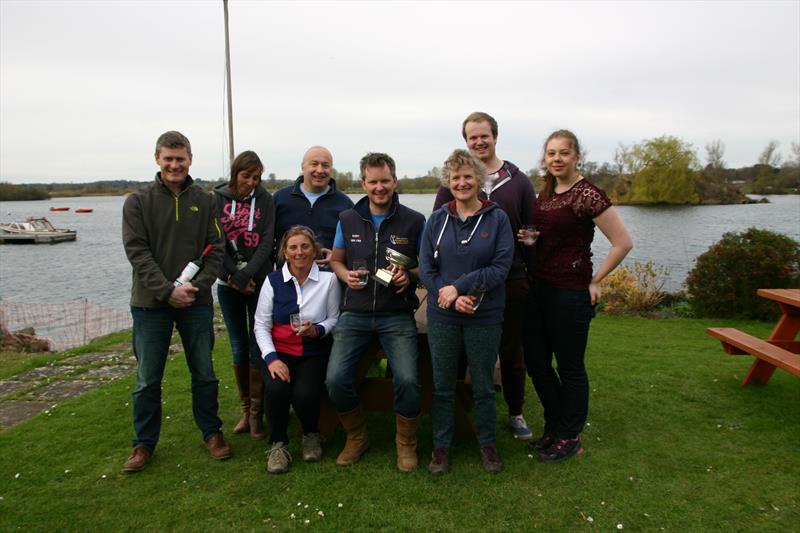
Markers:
760,371
788,325
785,330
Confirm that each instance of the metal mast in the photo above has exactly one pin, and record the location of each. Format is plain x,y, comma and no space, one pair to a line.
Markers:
228,78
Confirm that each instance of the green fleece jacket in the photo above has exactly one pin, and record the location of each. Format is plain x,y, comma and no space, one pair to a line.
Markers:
162,232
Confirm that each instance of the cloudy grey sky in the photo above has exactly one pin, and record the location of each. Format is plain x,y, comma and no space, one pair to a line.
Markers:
86,87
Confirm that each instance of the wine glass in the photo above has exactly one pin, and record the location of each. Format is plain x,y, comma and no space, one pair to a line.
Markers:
477,291
530,234
296,320
360,266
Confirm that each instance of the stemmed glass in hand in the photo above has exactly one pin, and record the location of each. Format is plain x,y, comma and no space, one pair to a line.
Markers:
527,234
296,321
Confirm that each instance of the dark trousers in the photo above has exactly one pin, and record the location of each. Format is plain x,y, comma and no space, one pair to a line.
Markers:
302,392
152,334
239,310
512,359
557,323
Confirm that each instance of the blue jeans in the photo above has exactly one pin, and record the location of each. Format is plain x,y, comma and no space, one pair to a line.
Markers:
239,311
447,343
397,333
557,324
152,332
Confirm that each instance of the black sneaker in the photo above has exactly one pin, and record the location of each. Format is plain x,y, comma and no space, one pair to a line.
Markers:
561,449
542,443
491,459
439,464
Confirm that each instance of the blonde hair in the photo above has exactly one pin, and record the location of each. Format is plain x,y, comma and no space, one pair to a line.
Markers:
460,158
294,231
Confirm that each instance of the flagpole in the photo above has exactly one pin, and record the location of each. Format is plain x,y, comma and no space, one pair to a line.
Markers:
228,78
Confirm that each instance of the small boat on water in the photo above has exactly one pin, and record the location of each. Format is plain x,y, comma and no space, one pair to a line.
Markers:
59,209
35,230
84,210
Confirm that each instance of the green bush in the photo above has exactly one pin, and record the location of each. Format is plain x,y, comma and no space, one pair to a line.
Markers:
725,278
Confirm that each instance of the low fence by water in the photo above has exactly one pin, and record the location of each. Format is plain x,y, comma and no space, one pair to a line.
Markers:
64,325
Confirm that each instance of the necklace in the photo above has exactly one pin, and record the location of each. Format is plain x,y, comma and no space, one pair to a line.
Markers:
569,185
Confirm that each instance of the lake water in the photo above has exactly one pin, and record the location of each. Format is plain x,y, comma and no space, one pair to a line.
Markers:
95,265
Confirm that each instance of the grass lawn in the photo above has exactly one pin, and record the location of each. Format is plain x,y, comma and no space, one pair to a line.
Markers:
674,443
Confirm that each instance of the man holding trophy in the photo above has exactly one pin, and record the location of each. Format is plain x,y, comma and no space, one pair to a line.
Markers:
375,254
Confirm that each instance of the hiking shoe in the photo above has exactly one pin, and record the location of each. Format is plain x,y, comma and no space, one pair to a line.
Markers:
439,463
278,459
491,459
312,447
561,449
542,443
518,428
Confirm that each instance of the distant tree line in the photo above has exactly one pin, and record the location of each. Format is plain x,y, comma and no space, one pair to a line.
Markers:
661,170
10,192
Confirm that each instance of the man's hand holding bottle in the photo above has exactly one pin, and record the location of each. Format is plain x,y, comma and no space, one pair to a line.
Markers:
183,295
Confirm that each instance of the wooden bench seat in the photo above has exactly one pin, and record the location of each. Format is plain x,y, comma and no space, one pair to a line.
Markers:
774,353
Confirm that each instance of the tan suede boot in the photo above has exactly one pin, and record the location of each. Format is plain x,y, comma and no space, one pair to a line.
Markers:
406,441
242,373
357,438
256,403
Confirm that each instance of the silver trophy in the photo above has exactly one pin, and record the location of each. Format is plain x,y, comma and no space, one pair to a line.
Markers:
396,259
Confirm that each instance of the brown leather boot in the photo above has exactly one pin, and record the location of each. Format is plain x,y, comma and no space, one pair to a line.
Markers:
357,438
406,441
256,403
242,373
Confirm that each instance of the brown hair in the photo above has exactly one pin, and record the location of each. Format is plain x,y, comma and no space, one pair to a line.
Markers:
460,158
298,230
248,160
376,159
550,180
173,139
479,116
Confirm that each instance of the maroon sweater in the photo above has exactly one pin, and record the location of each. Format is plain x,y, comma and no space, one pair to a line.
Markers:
564,246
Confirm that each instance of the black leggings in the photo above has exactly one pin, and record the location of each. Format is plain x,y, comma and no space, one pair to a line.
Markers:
302,392
558,324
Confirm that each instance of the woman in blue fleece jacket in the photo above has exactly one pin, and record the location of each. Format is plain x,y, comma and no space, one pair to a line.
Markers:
466,253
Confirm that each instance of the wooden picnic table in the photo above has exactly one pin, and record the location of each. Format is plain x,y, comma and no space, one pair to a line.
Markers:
780,350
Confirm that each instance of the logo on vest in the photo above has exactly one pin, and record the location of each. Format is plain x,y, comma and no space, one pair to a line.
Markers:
394,239
355,237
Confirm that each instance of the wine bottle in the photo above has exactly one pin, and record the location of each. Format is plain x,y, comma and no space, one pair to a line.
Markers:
237,255
192,268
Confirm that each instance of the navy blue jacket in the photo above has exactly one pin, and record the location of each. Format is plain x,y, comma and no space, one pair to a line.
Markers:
292,208
515,195
400,231
463,261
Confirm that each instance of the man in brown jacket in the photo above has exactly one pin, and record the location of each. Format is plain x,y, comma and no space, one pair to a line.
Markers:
164,227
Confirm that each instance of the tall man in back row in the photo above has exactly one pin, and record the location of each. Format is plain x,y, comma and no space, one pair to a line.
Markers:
164,227
377,222
513,191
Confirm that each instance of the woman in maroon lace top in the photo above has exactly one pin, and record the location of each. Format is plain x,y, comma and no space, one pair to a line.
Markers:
565,291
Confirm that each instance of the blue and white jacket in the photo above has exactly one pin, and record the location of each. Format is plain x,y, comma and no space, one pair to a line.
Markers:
316,300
